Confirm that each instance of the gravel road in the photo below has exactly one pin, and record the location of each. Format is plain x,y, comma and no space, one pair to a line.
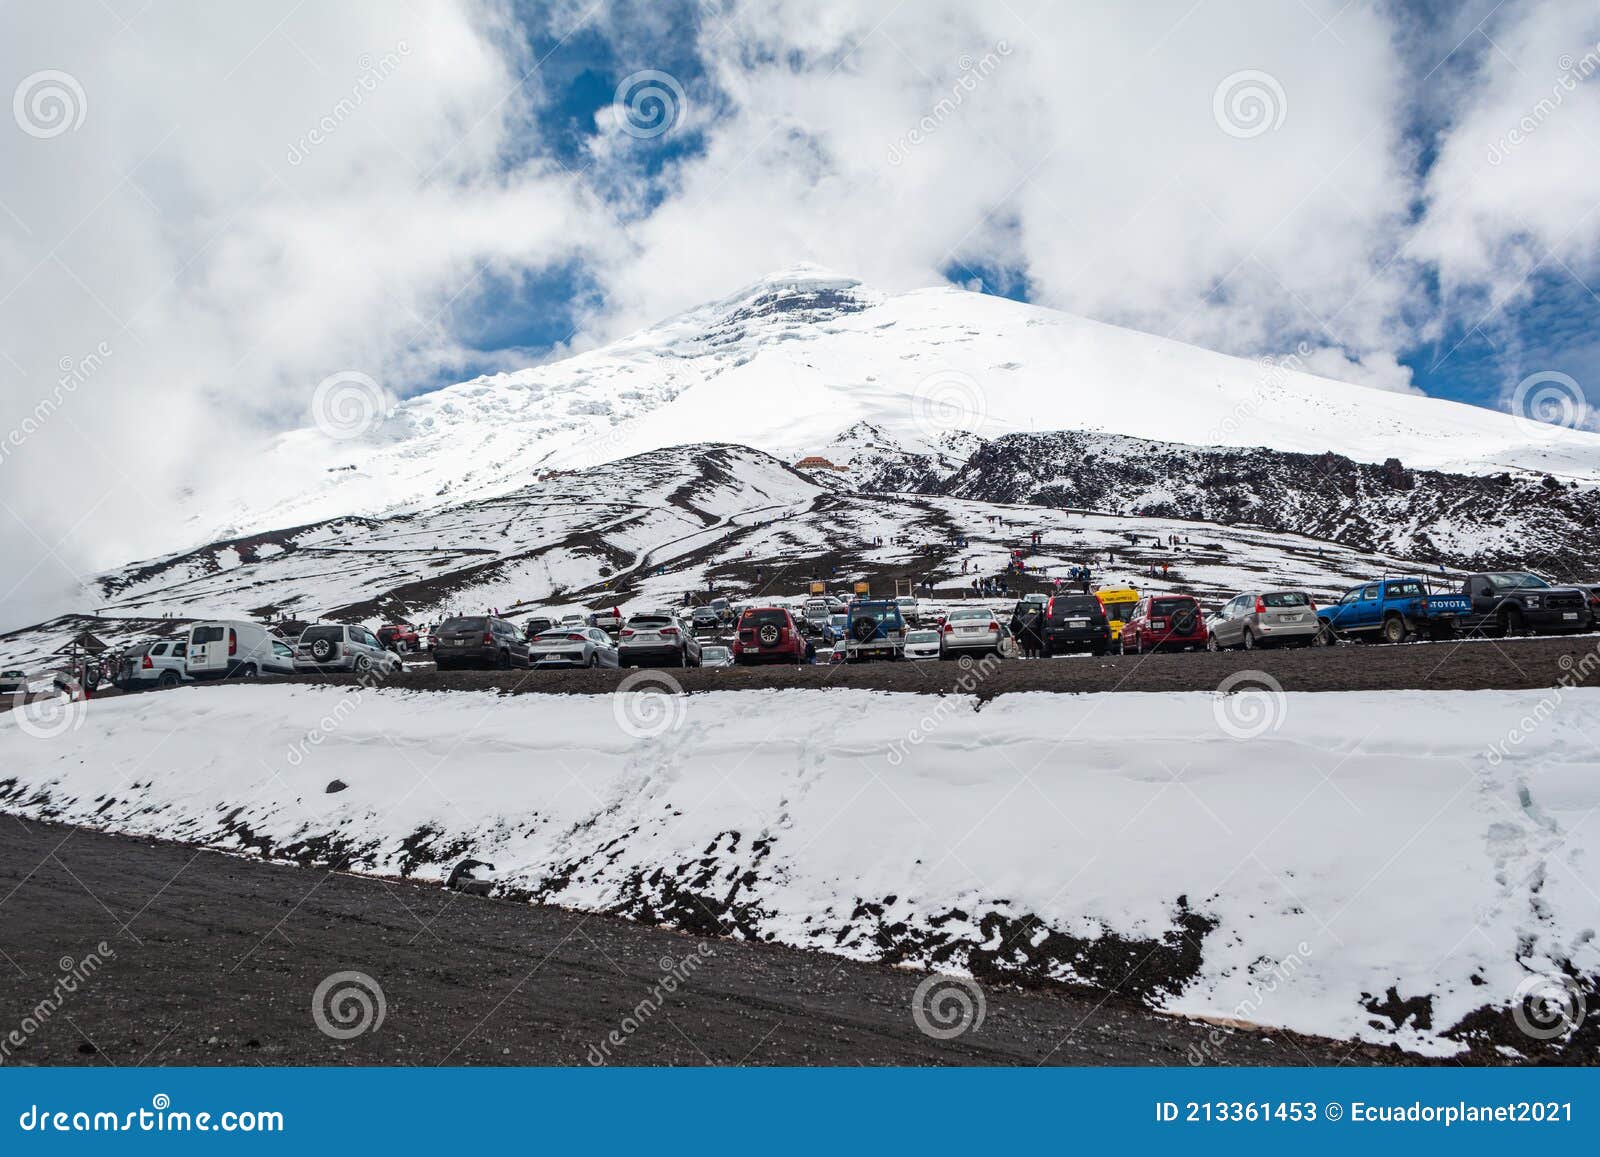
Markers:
217,960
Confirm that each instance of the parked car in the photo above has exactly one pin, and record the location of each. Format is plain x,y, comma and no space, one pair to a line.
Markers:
13,681
400,636
537,625
281,661
910,611
1517,602
770,635
922,643
1120,602
1263,619
657,637
877,629
608,619
335,647
227,648
716,655
574,620
479,641
723,608
816,612
157,664
705,619
1163,621
839,654
580,646
1076,623
1392,610
970,630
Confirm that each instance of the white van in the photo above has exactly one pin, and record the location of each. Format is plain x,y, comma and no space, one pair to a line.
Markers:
224,648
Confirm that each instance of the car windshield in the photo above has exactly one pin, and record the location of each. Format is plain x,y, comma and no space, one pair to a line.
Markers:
206,635
1074,608
1512,580
970,613
478,623
1170,606
1120,611
649,622
555,633
1286,599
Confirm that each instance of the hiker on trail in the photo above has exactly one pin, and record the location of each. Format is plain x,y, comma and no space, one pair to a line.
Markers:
1163,570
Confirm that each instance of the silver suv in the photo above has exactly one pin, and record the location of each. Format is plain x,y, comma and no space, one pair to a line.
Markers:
1263,619
337,647
154,665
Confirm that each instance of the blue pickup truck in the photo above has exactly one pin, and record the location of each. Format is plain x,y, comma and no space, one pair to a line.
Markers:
1392,610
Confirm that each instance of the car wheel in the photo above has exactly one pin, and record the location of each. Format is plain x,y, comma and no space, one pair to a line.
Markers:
1248,639
248,671
362,665
503,661
1323,637
594,659
1394,629
168,679
1512,623
1211,643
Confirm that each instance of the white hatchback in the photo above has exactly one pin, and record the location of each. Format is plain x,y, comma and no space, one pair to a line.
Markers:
922,645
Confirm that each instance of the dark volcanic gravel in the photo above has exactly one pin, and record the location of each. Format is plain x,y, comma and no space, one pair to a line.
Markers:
1470,665
217,959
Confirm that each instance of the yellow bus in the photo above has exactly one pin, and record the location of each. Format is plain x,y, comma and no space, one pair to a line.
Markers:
1119,602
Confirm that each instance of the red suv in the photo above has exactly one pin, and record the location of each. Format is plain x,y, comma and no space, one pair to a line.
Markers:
1164,621
399,636
769,635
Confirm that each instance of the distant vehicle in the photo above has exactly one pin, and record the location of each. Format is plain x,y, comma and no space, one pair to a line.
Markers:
1120,602
1163,621
608,619
1517,603
910,611
705,619
1263,619
479,641
537,625
227,648
716,656
970,630
770,635
281,662
340,647
877,630
657,637
839,654
399,636
816,611
922,644
574,620
159,664
1392,610
13,681
723,608
1076,623
580,646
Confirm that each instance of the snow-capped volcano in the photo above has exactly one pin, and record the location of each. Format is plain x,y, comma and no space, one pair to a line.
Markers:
789,362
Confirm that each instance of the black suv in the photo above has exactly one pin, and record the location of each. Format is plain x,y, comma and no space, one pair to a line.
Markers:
1076,623
479,641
